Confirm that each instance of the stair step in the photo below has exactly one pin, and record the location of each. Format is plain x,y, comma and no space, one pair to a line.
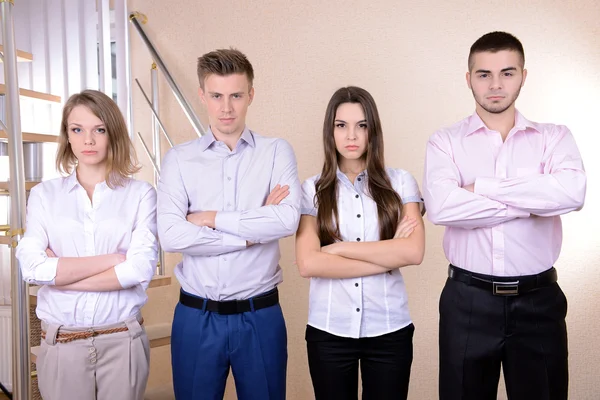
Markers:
158,334
5,185
33,94
22,56
156,281
33,137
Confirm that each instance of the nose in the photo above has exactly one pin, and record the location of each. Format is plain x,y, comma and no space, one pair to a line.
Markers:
88,138
351,133
226,105
496,83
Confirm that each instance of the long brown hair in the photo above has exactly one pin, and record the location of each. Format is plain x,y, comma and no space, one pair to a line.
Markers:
121,161
389,204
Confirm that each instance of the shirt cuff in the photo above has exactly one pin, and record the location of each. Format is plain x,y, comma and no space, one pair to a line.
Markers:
487,187
126,274
46,272
232,240
517,212
228,222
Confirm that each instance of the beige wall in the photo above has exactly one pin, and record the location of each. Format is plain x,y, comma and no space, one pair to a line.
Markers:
412,58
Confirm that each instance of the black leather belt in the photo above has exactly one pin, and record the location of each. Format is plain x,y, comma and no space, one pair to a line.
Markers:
265,300
502,285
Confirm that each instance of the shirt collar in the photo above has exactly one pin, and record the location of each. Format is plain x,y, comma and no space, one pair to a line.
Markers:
71,182
521,123
209,138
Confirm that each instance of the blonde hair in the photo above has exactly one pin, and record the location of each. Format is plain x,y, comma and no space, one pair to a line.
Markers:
121,160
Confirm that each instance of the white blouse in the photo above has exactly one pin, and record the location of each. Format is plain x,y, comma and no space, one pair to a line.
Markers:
60,216
368,306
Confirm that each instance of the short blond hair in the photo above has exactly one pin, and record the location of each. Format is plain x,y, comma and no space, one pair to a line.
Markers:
121,161
224,62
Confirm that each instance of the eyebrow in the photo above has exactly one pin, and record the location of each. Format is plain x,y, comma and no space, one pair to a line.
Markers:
221,94
76,124
487,71
341,120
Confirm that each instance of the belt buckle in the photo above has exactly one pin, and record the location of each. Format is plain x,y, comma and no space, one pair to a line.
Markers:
506,288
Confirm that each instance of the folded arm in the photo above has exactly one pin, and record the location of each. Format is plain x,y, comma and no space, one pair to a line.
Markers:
392,253
448,203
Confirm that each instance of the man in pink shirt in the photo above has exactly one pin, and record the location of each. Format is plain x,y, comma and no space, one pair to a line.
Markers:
499,184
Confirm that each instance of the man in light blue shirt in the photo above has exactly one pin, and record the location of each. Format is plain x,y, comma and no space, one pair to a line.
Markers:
224,201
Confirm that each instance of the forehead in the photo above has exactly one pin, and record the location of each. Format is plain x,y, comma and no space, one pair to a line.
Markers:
497,60
226,83
82,115
350,112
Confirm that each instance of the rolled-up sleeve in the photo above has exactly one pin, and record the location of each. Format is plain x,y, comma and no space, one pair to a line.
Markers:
36,267
142,254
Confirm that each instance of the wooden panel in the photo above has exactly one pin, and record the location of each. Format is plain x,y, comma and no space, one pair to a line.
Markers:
33,137
28,185
22,56
158,281
33,94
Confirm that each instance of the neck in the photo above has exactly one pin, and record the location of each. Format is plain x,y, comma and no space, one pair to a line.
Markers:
352,167
91,175
502,122
230,139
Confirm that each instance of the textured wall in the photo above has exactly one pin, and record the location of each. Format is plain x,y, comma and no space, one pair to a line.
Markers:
412,58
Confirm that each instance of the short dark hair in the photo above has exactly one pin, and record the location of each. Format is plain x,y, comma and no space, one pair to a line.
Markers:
495,42
224,62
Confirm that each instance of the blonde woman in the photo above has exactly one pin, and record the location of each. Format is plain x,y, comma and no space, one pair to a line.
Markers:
91,244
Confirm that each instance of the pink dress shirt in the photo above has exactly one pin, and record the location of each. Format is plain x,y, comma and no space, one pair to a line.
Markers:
510,225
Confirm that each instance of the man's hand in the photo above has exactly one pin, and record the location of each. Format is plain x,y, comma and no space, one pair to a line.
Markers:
50,253
470,188
406,227
203,218
277,195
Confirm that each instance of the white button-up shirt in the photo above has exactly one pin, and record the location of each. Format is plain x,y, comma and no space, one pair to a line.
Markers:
368,306
60,216
205,174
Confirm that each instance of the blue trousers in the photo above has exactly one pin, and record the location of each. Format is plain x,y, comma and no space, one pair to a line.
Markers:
205,344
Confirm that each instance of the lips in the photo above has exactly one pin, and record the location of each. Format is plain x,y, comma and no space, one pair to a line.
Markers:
89,152
351,147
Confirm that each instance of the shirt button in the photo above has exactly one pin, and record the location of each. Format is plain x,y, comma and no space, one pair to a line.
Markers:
357,215
356,284
358,310
358,239
357,196
228,178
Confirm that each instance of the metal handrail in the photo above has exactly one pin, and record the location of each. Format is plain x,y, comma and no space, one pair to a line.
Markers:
162,126
20,297
185,105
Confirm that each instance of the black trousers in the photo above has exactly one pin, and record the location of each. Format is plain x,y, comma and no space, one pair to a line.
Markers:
385,363
525,333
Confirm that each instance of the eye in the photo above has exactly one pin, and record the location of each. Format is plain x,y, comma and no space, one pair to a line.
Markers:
237,96
76,130
101,130
508,74
340,125
215,96
483,76
363,126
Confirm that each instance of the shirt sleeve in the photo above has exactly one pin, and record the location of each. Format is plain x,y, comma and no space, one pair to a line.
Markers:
308,206
448,203
558,190
408,188
142,253
36,266
268,223
178,235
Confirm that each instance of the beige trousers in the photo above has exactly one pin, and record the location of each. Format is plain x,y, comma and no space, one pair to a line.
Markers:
105,367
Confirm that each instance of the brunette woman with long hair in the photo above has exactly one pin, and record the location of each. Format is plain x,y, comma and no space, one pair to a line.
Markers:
361,222
91,245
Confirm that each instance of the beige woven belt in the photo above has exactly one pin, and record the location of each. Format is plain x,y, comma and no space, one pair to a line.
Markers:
69,337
